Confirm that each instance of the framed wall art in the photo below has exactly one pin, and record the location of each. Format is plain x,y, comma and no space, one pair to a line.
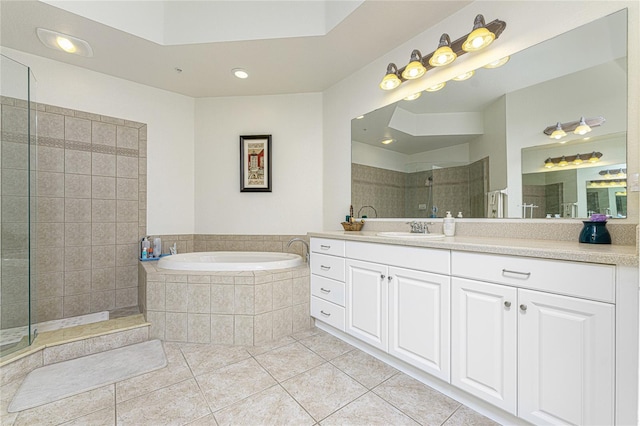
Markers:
255,163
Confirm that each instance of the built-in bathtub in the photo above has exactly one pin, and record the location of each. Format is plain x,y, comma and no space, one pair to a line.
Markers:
230,261
242,298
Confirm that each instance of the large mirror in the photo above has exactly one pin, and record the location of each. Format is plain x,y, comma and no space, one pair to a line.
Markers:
477,146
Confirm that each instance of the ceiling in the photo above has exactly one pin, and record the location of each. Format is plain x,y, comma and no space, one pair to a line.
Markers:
284,65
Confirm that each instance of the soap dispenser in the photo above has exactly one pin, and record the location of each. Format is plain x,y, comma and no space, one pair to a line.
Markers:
449,225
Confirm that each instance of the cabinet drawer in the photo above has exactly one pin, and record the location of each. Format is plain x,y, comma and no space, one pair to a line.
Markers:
586,280
325,246
422,259
327,266
327,312
327,289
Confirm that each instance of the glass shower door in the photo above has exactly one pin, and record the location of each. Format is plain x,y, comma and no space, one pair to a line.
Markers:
17,201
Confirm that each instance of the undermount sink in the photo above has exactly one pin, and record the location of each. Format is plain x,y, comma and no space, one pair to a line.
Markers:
409,235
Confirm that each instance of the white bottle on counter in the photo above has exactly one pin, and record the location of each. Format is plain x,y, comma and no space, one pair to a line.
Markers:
449,225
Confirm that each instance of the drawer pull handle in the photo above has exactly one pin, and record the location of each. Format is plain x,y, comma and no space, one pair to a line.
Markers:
325,314
524,274
523,307
325,268
323,247
324,290
507,304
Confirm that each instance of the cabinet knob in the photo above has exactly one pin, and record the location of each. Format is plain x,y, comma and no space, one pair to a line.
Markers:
523,307
507,304
382,276
389,278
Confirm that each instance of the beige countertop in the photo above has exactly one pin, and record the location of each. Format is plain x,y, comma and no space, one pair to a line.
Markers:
547,249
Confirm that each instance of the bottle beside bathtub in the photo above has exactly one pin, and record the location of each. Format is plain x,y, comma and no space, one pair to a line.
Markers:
150,251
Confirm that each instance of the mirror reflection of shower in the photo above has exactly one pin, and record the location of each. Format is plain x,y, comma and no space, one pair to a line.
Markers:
429,184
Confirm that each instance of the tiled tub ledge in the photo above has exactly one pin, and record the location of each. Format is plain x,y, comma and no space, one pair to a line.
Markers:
241,308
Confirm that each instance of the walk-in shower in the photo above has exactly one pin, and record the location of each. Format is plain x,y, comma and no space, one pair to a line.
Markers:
17,205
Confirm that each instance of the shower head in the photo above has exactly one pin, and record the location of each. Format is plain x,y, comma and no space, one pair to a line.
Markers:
429,181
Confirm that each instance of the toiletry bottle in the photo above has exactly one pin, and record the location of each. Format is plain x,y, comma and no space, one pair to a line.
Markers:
459,214
157,247
145,244
144,253
449,225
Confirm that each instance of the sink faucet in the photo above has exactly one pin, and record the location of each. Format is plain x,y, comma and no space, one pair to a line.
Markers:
419,227
303,242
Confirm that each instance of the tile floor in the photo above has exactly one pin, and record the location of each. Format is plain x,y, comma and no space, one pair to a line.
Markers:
309,378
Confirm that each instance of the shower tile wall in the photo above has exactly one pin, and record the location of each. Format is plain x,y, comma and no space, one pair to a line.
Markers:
91,207
380,188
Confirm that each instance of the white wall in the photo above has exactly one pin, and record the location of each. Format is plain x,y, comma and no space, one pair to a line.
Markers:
170,125
295,204
493,144
528,23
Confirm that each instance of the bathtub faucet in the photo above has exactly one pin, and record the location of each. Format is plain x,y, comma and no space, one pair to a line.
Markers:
303,242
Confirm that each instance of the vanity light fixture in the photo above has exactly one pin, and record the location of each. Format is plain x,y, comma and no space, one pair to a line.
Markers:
614,173
498,63
583,128
447,51
391,79
436,87
480,37
64,42
466,76
577,159
558,133
578,127
413,97
443,54
240,73
415,69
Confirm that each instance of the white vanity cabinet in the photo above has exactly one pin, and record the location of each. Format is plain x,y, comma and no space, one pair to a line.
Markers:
547,358
327,281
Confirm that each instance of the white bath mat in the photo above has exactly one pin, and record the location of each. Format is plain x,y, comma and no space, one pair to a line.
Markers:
57,381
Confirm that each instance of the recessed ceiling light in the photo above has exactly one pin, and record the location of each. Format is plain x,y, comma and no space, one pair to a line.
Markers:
240,73
386,141
413,97
360,117
64,42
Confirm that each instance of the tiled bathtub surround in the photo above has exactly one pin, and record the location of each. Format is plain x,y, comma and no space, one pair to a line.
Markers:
91,207
241,308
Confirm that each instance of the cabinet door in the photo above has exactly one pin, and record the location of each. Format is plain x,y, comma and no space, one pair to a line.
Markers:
366,302
566,360
484,341
419,320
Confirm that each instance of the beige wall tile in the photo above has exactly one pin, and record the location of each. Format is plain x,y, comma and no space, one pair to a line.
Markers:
49,309
14,209
126,276
282,293
222,299
77,129
103,233
78,304
50,209
156,296
176,327
103,256
103,187
126,167
103,210
77,210
48,285
50,159
176,297
126,254
126,211
282,322
262,328
77,234
301,318
77,258
77,162
77,186
126,137
103,279
48,260
103,133
243,299
301,289
127,189
127,233
158,324
14,182
199,328
103,300
49,184
126,297
77,282
199,298
50,125
222,329
14,119
243,330
103,164
263,298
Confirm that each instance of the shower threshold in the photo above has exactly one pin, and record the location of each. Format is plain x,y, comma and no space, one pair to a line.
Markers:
13,335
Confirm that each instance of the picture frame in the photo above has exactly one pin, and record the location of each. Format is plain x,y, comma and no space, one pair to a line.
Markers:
255,163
